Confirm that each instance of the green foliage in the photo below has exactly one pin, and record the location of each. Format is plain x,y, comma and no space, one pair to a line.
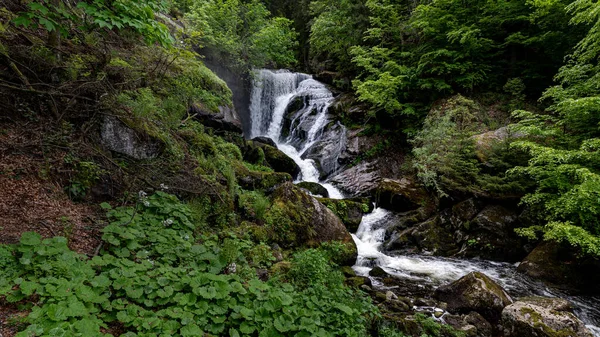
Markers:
564,146
245,32
85,177
135,16
253,204
153,277
445,156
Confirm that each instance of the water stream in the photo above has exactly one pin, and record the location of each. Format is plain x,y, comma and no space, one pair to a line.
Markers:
272,95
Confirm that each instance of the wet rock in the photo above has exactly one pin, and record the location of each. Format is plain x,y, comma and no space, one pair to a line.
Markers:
265,140
560,265
490,235
265,181
327,150
474,292
358,282
360,180
226,119
348,271
400,195
390,296
255,152
427,237
484,328
296,219
315,189
378,272
350,212
542,317
119,138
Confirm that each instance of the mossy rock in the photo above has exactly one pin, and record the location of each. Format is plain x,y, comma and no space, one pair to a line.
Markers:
401,195
296,219
255,180
358,281
542,317
561,265
475,292
315,189
257,152
378,272
350,212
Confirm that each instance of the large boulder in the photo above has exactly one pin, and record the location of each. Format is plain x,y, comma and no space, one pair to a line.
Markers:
315,189
562,266
359,180
226,119
425,237
475,292
350,212
119,138
297,219
256,180
327,150
542,317
400,195
260,152
490,234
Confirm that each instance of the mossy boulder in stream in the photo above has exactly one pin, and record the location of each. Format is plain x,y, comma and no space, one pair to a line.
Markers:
542,317
261,153
257,180
475,292
296,219
314,188
400,195
349,211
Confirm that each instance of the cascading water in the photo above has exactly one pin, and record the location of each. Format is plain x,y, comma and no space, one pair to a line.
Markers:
272,95
437,270
272,102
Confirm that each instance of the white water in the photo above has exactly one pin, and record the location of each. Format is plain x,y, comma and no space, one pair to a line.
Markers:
272,93
437,271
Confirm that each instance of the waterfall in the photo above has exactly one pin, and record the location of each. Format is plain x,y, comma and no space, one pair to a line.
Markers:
275,98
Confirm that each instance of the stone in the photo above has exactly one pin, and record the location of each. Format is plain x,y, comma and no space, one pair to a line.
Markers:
485,142
490,235
358,281
265,140
226,119
542,317
327,150
297,219
315,189
378,272
264,181
400,195
118,137
390,296
274,158
560,265
350,212
359,180
426,237
475,292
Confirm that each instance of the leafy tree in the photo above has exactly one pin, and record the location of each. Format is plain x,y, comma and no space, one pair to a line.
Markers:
564,144
245,32
62,16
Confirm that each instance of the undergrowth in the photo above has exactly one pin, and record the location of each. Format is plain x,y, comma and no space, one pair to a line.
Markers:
158,276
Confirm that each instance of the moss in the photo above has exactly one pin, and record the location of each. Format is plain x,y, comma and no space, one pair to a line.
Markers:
350,212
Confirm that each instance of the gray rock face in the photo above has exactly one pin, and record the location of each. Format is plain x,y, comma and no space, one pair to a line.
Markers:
475,292
119,138
542,317
226,119
326,152
359,180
